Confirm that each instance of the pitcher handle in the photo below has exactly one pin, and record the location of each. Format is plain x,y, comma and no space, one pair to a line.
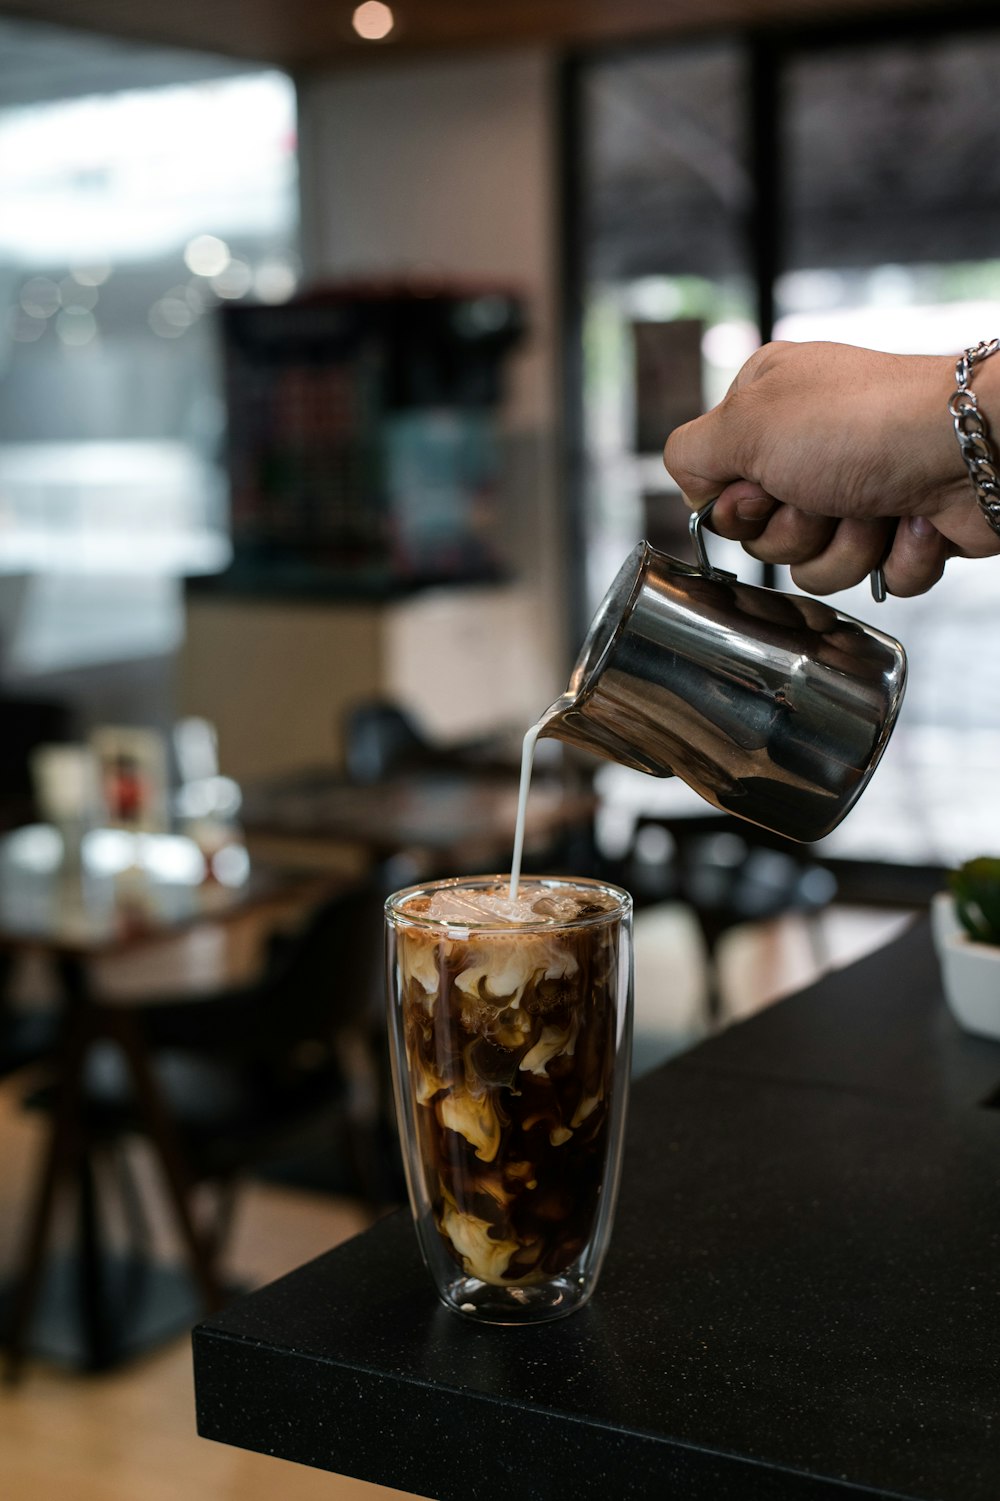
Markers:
705,565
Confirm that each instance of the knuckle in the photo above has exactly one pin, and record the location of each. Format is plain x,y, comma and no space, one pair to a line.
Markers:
761,362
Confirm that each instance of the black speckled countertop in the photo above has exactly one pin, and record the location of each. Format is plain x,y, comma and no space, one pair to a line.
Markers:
802,1298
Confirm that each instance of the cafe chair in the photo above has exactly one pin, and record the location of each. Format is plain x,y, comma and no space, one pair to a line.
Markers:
28,1037
27,724
238,1076
728,873
382,740
244,1070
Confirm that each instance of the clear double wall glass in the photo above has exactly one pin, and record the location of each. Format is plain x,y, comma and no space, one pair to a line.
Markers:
510,1026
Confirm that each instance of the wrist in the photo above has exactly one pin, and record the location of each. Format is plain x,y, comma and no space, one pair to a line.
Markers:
925,449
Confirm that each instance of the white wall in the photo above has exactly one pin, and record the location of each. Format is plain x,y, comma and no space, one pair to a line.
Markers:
447,166
277,677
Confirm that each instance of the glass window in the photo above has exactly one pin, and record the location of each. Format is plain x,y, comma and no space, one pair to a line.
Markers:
668,303
885,187
128,218
894,243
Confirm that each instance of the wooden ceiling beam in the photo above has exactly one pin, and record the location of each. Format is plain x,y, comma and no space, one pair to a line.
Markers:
304,34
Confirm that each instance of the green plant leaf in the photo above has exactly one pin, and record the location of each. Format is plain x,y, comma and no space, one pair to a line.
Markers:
976,888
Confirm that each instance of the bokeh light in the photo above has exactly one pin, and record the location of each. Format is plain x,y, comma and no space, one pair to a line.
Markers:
170,317
372,21
40,297
206,255
234,281
75,326
23,328
91,276
275,279
176,309
74,295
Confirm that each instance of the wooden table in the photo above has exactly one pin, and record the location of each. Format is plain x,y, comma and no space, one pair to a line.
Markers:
801,1300
447,822
118,892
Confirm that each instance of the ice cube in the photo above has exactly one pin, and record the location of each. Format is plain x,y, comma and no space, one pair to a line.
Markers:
479,908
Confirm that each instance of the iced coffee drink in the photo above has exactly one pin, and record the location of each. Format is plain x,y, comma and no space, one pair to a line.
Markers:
510,1024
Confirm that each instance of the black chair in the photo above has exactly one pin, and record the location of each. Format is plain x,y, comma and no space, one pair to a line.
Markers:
27,1039
28,1036
27,724
243,1070
380,740
728,873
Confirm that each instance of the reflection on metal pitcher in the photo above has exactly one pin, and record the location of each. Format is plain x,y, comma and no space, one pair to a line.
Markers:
775,707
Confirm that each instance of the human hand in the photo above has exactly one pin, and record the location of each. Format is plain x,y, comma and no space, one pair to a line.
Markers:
831,458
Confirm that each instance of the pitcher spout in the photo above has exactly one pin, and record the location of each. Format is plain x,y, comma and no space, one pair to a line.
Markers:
571,722
583,718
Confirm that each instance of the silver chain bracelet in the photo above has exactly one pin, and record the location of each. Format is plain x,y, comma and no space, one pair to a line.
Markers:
973,433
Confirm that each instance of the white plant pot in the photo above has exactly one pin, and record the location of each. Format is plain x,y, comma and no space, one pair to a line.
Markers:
970,971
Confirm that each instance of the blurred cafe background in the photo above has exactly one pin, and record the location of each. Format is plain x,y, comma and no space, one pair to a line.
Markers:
338,346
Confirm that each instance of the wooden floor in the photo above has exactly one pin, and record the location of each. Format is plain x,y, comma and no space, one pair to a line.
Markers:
130,1436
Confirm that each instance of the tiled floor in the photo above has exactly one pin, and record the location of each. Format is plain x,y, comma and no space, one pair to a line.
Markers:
129,1436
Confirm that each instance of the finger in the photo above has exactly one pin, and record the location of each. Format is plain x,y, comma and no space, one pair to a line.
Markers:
792,536
741,511
855,548
917,559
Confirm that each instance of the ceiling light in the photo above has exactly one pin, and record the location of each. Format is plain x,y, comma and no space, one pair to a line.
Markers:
373,20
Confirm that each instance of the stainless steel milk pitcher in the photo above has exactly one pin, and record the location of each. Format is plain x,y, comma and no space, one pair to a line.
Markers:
775,707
